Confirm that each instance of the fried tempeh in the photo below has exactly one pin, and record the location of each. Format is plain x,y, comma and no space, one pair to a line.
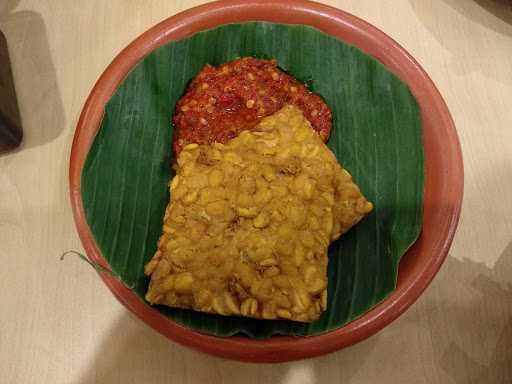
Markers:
249,223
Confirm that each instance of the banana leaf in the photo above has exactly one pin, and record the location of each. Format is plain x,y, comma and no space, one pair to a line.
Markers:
376,135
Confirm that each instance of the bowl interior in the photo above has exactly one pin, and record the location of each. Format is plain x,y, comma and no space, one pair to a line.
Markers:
443,189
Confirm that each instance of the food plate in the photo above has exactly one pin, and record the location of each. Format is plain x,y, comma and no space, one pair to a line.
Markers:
443,187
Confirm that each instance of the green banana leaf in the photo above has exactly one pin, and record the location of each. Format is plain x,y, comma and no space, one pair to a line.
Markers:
376,135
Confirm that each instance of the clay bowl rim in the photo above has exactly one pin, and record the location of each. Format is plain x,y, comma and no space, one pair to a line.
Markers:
443,179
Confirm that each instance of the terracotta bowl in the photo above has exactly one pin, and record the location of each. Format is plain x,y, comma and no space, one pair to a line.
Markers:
443,186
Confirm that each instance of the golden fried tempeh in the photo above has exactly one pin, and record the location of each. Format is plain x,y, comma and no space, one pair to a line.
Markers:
249,222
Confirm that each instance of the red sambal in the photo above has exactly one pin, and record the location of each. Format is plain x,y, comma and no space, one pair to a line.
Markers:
222,102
